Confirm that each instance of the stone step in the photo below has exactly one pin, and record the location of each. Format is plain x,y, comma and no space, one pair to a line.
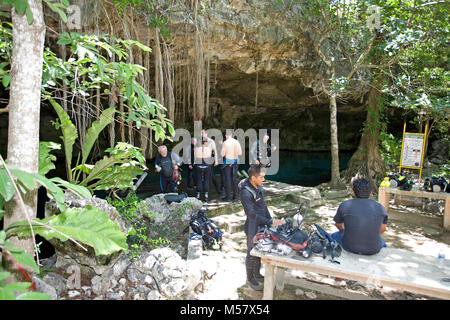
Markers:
231,223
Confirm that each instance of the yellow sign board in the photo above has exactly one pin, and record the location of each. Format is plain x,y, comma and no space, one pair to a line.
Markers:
413,148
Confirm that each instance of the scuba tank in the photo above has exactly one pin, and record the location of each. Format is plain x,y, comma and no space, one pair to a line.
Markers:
385,183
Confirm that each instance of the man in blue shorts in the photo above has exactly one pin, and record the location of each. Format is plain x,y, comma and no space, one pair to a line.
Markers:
361,221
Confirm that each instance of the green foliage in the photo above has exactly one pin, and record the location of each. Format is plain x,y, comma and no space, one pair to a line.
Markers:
28,181
87,69
58,6
114,172
19,257
117,171
87,225
106,118
69,136
444,170
5,52
391,148
45,158
132,208
122,4
22,7
89,56
414,37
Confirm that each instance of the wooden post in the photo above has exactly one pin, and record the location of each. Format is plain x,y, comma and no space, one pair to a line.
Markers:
279,278
447,214
401,152
383,198
269,281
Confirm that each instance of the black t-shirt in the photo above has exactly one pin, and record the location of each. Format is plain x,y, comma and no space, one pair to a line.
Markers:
362,220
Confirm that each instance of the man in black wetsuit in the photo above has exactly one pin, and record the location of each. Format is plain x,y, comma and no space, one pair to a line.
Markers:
261,151
189,160
165,163
252,198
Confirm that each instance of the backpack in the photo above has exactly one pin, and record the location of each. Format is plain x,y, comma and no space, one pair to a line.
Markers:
175,197
435,184
205,228
323,243
402,182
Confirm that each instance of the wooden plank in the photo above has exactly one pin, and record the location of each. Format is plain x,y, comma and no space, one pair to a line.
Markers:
327,289
384,197
269,280
419,194
400,269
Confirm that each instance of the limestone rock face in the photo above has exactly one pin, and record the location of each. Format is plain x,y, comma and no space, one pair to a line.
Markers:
253,48
166,271
164,222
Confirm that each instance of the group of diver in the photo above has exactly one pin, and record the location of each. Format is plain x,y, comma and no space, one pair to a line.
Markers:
201,157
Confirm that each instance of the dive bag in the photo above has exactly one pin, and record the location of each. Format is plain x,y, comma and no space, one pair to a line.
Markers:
435,184
205,228
175,197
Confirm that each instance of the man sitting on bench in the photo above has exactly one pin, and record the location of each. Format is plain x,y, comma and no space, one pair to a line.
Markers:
362,219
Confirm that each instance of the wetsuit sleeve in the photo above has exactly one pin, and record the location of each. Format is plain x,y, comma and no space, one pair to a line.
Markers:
157,160
249,208
214,149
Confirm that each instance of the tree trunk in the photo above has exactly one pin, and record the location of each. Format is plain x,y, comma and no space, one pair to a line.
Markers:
24,110
366,161
336,182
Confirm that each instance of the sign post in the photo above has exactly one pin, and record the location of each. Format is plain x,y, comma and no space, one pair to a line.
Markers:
412,155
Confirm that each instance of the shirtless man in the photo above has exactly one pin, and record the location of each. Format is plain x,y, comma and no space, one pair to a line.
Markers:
231,150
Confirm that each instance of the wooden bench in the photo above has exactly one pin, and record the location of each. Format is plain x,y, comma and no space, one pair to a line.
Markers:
384,195
394,268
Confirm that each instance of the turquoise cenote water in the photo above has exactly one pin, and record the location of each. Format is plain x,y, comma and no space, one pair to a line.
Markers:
306,168
299,168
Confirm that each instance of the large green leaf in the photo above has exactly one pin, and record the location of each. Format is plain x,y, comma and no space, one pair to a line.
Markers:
21,257
100,166
6,186
45,158
106,118
88,225
69,134
118,177
77,189
28,181
4,275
